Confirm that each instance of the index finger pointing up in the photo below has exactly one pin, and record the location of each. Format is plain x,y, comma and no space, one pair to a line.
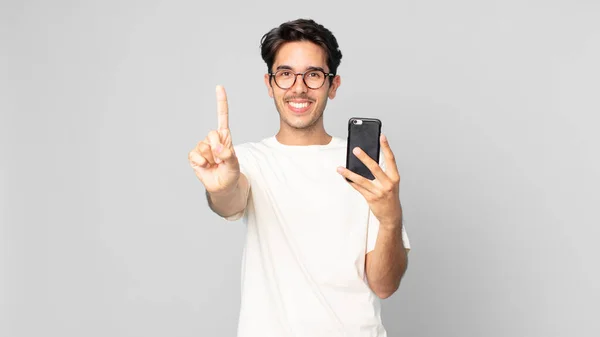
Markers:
222,108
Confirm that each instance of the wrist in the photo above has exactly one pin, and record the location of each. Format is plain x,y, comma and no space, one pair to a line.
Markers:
392,222
224,193
391,225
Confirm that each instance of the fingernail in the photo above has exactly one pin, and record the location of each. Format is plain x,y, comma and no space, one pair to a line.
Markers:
355,150
219,148
383,138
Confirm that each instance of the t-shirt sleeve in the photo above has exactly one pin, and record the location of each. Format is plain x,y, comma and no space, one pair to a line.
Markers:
242,155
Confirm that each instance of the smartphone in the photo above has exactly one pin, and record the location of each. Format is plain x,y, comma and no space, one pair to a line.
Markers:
364,133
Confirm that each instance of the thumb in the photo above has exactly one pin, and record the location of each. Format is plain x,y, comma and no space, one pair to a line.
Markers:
223,152
225,137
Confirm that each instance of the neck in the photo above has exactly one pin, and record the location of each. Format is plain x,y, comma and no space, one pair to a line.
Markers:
310,136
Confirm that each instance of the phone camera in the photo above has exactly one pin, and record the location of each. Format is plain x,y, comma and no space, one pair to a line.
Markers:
357,122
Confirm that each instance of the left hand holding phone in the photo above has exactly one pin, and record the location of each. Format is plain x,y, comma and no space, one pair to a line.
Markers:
383,193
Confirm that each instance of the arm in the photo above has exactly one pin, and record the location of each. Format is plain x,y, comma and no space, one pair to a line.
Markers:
387,263
228,203
217,166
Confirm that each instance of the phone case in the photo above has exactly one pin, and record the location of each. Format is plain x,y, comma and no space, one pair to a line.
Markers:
364,133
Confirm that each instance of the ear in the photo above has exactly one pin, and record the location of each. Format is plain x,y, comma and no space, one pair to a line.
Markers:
268,84
335,84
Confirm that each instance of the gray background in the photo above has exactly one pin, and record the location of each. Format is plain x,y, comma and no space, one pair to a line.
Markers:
491,108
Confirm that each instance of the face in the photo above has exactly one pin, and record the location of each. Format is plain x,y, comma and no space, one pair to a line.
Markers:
301,107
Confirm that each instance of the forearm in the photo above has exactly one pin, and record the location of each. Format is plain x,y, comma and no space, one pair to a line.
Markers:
387,263
228,203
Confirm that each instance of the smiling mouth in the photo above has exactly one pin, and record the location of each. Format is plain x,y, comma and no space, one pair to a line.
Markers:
299,106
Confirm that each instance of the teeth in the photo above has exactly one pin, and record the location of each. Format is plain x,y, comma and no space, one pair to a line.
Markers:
299,105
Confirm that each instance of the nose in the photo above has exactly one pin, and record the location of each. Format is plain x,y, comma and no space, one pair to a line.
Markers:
299,86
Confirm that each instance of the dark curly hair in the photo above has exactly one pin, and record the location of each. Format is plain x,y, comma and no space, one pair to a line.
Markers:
301,30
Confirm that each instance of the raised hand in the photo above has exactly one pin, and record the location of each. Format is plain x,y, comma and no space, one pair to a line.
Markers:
213,159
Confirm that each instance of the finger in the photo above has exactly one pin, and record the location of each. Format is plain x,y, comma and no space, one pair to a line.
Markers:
371,164
358,180
390,160
225,137
223,154
196,160
205,151
214,140
222,108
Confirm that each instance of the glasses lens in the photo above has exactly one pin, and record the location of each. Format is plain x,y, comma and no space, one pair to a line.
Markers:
284,78
314,79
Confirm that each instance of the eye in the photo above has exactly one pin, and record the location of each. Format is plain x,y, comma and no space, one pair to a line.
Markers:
315,74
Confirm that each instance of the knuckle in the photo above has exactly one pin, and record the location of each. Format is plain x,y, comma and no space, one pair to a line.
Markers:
213,136
359,180
225,154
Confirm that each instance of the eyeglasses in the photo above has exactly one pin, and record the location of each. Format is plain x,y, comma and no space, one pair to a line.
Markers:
314,79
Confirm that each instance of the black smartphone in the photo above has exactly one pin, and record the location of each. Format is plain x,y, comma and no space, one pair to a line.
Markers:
364,133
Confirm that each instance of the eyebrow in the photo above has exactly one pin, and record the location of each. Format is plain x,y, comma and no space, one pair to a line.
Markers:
307,69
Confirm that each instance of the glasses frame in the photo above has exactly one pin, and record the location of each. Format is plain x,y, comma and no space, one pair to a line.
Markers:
327,75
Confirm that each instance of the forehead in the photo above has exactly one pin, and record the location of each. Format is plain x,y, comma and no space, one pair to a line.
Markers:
300,55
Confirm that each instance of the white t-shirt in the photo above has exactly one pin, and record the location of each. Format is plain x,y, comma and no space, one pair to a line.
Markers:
308,232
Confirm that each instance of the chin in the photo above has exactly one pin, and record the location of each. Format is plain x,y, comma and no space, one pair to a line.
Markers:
301,122
299,125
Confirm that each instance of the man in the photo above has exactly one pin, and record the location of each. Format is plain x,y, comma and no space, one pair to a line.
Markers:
320,251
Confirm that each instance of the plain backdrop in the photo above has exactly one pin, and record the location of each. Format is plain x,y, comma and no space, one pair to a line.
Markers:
491,108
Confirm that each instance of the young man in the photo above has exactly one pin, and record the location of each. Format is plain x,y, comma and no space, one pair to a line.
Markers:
320,251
